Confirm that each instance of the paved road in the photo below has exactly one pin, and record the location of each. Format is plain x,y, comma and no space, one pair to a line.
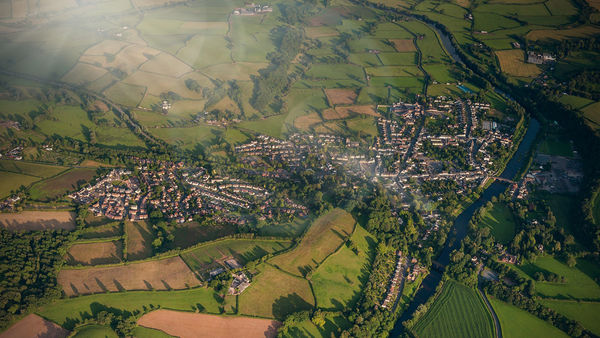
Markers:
497,327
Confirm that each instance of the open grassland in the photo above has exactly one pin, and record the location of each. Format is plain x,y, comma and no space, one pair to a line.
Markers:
325,235
333,325
94,331
31,169
289,229
145,332
139,240
95,253
34,326
391,71
107,230
512,63
457,312
185,324
69,311
562,34
61,184
337,282
397,59
11,182
190,233
244,250
272,125
520,323
365,59
584,312
429,44
340,96
575,102
578,284
555,144
38,220
336,71
275,294
363,125
164,274
500,220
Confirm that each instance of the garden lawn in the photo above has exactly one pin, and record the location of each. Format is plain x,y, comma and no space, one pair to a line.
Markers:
70,311
500,221
584,312
337,282
457,312
520,323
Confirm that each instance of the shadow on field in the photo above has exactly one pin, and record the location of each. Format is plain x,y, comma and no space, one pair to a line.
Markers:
285,305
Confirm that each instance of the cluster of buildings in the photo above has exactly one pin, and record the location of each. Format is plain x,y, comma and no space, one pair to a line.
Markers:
395,283
15,153
179,192
539,58
253,9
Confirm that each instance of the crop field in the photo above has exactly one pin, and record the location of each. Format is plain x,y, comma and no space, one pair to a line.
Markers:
275,294
457,312
578,285
190,233
337,282
244,250
38,220
512,63
185,324
139,240
11,181
69,311
340,96
363,110
35,326
501,223
584,312
403,45
95,253
61,184
325,235
165,274
520,323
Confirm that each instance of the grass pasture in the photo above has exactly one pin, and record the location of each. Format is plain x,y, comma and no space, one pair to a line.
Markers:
363,110
397,59
340,96
592,115
62,184
95,253
290,229
12,181
584,312
190,233
562,34
324,236
575,102
512,63
165,274
275,294
337,282
305,122
336,71
520,323
139,240
457,312
212,254
500,220
95,331
69,311
107,230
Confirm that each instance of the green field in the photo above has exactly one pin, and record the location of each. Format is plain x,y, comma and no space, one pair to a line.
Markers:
578,284
244,250
95,331
500,221
332,327
337,282
555,144
61,184
11,181
68,312
520,323
584,312
275,294
291,229
324,237
457,312
31,169
191,233
574,102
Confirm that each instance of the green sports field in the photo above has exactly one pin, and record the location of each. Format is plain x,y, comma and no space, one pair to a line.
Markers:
457,312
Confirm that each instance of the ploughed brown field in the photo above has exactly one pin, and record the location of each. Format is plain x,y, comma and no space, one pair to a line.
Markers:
188,325
34,326
95,253
38,220
340,96
164,274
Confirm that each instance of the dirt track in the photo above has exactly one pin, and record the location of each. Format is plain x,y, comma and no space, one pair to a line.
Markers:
192,325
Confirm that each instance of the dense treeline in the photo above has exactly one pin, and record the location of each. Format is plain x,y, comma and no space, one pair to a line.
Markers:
28,269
